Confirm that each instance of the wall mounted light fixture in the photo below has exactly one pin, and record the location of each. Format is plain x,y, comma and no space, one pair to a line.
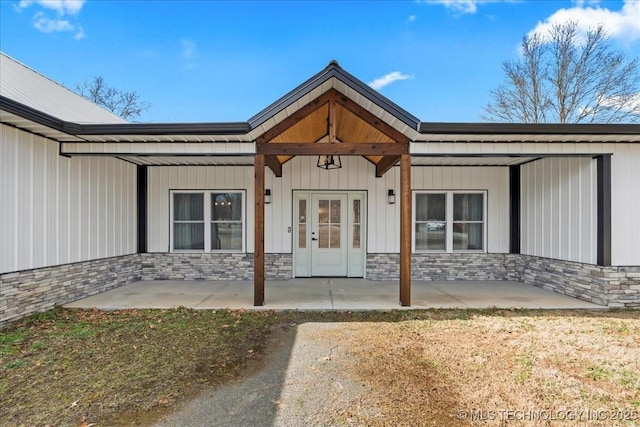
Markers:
267,196
391,196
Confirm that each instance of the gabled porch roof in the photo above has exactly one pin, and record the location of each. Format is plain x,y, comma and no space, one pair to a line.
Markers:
333,109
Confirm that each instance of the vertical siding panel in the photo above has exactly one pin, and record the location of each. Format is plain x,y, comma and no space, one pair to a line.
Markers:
625,204
8,182
23,200
52,201
39,205
558,202
61,209
84,206
525,223
111,173
593,198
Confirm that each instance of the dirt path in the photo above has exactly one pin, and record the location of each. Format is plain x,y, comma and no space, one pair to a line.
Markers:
302,381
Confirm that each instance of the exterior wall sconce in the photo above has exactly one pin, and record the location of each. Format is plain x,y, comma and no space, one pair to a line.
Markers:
329,162
267,196
391,196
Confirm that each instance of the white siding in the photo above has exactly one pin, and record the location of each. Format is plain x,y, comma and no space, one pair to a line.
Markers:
495,180
625,204
301,173
163,179
559,217
57,210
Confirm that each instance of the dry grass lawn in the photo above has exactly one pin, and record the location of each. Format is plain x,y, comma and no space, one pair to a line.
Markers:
432,367
499,368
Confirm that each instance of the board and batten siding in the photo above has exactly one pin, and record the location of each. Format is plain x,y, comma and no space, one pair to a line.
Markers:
495,180
162,179
625,204
559,215
301,173
58,210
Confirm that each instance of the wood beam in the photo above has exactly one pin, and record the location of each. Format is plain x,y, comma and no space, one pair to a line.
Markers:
332,120
341,149
274,164
372,120
258,251
385,164
405,230
294,118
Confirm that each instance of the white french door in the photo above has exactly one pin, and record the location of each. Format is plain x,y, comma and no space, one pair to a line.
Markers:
329,234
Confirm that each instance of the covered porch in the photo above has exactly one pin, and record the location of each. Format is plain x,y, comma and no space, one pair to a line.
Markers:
329,294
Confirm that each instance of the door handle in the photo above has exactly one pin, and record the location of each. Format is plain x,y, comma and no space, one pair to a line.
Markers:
314,239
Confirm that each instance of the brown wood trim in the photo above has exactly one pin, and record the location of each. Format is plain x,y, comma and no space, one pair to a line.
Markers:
405,230
385,164
340,149
374,121
274,164
332,126
258,251
294,118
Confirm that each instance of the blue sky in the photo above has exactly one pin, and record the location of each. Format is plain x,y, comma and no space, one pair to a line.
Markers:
216,61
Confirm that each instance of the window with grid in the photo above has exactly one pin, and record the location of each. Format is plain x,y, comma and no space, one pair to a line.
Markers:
208,221
449,221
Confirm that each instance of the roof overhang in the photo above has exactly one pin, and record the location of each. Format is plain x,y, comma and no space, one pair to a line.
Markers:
286,128
526,132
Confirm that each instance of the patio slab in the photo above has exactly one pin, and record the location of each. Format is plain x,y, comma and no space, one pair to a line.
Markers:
329,294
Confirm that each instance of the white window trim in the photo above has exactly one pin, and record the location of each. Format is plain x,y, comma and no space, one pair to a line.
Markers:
449,220
208,220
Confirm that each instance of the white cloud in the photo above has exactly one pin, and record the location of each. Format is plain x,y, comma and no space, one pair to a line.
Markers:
63,7
460,6
623,24
387,79
79,34
47,25
188,48
411,18
465,6
44,22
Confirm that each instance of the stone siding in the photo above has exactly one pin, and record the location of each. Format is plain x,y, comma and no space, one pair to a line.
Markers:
30,291
444,266
608,286
212,266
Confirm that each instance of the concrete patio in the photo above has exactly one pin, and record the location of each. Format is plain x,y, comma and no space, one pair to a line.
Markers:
329,294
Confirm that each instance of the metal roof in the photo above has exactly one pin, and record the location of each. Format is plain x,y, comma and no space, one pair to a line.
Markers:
334,71
32,102
28,87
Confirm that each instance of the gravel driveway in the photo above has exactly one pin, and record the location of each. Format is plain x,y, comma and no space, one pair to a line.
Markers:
303,381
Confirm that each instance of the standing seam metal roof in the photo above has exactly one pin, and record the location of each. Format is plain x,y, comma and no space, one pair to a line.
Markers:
26,86
330,71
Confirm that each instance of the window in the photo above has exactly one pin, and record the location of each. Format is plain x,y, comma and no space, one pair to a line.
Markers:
207,221
188,221
449,221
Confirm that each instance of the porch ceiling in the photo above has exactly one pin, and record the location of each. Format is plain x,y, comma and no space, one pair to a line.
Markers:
471,161
333,124
155,160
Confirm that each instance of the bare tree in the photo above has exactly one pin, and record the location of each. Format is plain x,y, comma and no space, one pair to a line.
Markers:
567,78
127,105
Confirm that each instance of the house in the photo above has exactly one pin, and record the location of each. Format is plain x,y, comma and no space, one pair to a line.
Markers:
332,179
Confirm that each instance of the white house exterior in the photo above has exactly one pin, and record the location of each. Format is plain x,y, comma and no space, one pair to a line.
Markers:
91,202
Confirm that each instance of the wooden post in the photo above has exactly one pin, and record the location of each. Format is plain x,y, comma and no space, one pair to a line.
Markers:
405,230
258,251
